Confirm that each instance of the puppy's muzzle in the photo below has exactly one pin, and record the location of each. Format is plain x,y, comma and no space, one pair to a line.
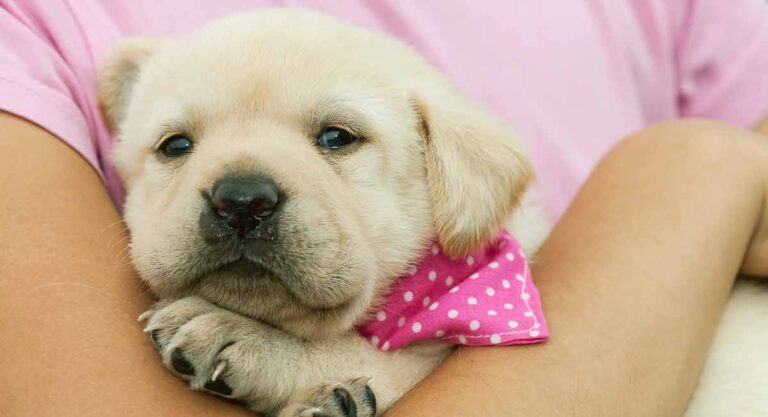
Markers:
239,206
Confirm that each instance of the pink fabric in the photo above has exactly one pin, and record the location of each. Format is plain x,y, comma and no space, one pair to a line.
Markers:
487,298
571,77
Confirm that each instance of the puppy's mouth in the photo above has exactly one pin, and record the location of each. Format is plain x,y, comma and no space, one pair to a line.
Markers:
256,270
242,267
241,261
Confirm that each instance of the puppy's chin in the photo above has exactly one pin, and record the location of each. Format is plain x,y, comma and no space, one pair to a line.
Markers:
288,292
248,289
248,283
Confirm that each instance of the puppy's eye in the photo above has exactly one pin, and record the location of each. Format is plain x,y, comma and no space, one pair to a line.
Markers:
176,145
335,138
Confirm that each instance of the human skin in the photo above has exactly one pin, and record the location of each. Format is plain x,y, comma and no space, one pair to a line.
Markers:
69,298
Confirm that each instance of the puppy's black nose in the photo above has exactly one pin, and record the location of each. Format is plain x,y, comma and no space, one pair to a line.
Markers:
243,202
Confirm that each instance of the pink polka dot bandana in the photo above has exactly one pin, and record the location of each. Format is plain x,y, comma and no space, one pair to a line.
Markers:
487,298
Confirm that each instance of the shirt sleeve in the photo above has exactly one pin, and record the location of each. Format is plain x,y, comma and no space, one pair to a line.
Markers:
38,84
722,59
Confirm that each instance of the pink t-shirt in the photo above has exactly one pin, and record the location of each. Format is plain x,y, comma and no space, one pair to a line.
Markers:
571,77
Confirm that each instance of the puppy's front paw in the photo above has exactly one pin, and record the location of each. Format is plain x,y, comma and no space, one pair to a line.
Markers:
349,399
166,317
224,353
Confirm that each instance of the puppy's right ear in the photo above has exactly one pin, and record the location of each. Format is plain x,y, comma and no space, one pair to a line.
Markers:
119,74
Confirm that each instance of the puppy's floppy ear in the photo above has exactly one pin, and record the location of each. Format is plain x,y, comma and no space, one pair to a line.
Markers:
475,170
119,74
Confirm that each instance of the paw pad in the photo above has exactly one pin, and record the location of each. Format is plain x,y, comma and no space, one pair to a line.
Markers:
345,402
370,398
218,387
181,364
156,338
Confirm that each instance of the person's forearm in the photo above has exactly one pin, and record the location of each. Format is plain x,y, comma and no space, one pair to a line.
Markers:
762,127
633,280
69,339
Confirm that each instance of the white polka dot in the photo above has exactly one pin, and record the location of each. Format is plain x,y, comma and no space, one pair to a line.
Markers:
453,314
412,270
493,265
471,300
505,283
534,333
435,249
528,314
495,339
439,333
510,256
449,281
508,306
416,327
375,340
462,340
425,301
432,275
474,325
385,346
400,322
490,291
474,276
492,312
536,325
519,277
454,289
381,316
470,260
433,306
525,296
408,296
513,324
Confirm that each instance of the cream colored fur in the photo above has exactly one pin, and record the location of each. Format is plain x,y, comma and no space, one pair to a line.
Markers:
735,378
253,91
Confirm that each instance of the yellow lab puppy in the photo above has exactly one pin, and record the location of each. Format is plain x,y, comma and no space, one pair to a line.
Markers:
354,155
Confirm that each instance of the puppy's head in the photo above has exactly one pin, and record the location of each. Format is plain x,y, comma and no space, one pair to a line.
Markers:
289,166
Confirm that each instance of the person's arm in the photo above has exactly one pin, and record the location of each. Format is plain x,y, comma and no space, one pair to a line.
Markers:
69,298
762,127
633,279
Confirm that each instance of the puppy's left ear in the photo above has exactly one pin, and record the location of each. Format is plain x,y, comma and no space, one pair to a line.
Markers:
119,74
476,172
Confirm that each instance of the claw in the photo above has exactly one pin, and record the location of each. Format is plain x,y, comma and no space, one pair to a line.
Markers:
220,367
145,315
309,412
362,381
